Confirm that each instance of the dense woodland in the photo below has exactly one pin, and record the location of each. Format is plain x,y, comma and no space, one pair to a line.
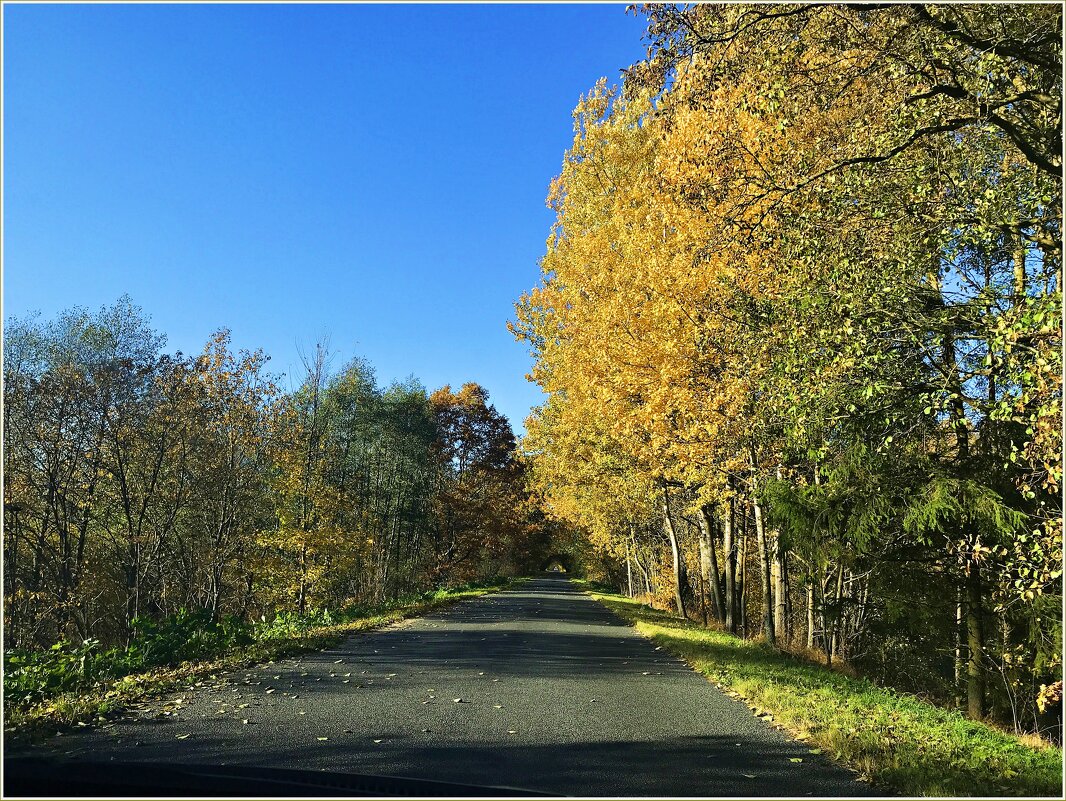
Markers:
141,485
800,330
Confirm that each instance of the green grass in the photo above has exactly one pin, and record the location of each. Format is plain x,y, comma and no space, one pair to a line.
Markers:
893,739
105,698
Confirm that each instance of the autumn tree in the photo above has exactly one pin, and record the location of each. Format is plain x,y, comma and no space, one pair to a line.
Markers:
787,277
479,499
235,413
64,384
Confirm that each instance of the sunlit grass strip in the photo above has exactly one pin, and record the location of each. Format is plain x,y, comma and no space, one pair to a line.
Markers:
95,705
891,738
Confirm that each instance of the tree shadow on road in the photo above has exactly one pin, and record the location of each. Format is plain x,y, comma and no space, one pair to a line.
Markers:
683,766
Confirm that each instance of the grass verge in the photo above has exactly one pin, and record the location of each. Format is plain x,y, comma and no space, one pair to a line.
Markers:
108,698
893,739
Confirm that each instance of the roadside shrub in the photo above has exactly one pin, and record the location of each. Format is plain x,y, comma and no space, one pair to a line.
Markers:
186,635
292,624
67,667
31,676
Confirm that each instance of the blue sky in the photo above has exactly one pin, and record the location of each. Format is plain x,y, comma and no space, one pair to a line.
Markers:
373,173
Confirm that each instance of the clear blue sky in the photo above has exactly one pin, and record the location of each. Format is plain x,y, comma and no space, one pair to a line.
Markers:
375,173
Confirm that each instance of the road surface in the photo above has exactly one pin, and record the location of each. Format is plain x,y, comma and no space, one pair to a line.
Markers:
538,687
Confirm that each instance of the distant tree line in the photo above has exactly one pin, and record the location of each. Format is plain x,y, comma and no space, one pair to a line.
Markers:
140,484
800,329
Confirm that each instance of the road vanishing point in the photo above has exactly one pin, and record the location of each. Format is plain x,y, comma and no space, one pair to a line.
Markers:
536,688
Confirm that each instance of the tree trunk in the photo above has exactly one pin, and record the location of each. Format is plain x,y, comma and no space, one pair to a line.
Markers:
810,614
679,563
742,558
764,577
781,617
823,619
960,611
975,689
730,556
636,559
301,598
838,618
629,572
975,675
703,592
709,563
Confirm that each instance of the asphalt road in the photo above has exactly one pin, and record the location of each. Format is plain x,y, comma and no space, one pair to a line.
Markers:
539,688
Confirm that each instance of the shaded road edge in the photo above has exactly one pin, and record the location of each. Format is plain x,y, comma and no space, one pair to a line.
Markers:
102,704
880,789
